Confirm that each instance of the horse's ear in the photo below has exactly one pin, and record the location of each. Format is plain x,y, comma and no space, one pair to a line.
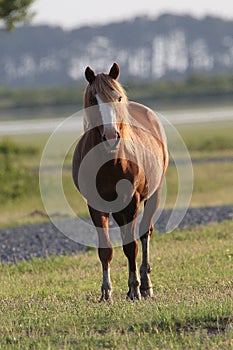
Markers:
114,71
89,75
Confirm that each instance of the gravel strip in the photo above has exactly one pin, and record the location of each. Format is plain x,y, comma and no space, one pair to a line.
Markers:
42,240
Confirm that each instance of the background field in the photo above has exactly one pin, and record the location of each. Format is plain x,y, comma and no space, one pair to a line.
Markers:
210,146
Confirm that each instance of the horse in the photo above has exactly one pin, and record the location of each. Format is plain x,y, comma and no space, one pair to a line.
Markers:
126,149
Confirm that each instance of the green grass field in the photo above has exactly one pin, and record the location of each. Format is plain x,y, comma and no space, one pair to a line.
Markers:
53,303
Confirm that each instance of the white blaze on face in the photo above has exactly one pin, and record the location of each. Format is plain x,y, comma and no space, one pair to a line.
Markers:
108,115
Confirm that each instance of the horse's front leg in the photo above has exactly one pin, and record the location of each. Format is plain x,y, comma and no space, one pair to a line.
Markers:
105,250
131,251
145,231
127,222
105,255
145,269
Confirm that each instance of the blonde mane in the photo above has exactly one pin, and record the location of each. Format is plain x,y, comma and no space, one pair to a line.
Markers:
104,85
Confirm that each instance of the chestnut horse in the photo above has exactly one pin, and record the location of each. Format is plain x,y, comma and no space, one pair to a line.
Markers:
119,162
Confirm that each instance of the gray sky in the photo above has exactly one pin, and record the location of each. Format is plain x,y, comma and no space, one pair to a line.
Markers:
74,13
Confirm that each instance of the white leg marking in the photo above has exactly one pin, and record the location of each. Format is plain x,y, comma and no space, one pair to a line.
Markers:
106,285
134,286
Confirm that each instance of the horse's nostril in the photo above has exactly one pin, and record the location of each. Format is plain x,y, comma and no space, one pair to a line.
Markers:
111,140
108,135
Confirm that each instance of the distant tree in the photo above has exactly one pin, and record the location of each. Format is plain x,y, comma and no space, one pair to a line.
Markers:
14,11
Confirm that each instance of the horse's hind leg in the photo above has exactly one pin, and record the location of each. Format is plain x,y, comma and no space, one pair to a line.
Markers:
105,251
145,231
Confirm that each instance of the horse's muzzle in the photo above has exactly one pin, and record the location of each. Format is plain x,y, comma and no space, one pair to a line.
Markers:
111,143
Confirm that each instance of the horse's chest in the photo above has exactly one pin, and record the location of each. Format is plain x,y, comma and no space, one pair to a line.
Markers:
113,181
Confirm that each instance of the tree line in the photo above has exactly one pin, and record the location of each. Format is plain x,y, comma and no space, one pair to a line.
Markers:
194,88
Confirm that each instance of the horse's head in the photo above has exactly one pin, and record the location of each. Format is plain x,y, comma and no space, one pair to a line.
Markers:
105,92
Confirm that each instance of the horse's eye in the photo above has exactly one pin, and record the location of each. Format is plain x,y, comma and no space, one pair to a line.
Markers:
117,96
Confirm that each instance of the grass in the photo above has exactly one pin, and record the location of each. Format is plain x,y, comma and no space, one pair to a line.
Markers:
208,137
53,303
212,184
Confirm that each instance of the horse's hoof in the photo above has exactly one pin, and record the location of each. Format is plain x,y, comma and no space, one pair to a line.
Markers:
147,293
133,295
106,296
108,300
